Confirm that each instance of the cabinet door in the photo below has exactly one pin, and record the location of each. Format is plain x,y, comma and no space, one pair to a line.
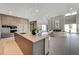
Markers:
16,21
19,25
26,26
0,26
4,20
8,20
11,21
38,48
47,45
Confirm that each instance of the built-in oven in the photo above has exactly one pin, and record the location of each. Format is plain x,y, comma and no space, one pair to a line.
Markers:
13,29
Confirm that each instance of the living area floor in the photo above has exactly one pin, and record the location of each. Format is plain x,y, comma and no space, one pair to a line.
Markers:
64,44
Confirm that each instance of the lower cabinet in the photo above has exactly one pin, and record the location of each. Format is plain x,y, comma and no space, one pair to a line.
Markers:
47,46
0,26
39,47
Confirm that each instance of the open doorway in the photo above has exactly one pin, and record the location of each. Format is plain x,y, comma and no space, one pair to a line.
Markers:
71,28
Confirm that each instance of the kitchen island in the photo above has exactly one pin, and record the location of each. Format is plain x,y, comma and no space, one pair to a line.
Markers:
32,44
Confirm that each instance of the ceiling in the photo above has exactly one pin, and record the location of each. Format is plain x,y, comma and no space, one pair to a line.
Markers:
37,11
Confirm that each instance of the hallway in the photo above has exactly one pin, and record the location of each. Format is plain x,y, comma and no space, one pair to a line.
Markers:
64,44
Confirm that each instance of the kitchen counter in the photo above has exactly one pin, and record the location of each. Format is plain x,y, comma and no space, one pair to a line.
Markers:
33,38
31,44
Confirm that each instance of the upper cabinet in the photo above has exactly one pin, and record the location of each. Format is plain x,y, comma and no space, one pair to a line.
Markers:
8,20
4,20
26,25
11,21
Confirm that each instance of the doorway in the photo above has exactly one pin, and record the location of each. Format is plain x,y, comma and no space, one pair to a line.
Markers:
71,28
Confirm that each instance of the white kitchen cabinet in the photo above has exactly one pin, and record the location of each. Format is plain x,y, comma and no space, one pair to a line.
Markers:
47,45
0,26
4,20
26,26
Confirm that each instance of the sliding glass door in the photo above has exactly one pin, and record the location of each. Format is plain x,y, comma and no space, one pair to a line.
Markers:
72,28
66,27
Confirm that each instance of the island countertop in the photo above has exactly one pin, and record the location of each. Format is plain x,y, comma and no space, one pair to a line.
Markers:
33,44
32,38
